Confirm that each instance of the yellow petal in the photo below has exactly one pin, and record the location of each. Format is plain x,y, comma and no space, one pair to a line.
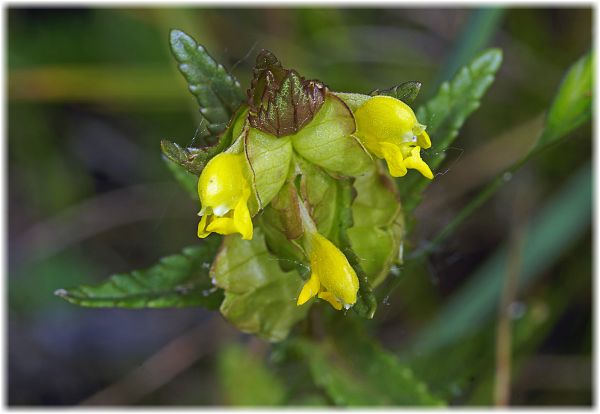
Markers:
202,233
415,162
337,305
383,118
335,273
423,140
310,289
224,189
393,156
242,219
221,225
222,181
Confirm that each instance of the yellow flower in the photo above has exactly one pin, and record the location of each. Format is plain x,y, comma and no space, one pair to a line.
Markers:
390,130
332,278
224,191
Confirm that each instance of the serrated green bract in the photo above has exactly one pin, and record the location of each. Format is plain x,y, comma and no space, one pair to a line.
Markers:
194,159
218,93
572,105
446,112
260,298
378,230
327,140
177,281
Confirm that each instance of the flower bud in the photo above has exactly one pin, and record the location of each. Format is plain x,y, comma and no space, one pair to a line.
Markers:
224,191
389,129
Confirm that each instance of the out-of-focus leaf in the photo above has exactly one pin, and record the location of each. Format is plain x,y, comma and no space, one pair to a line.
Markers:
218,93
355,371
187,180
450,369
572,105
478,30
246,380
445,114
177,281
406,91
541,314
564,218
260,298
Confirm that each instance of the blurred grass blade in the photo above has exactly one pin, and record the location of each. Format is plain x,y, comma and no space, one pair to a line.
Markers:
218,93
481,25
246,380
572,105
177,281
445,114
563,219
355,371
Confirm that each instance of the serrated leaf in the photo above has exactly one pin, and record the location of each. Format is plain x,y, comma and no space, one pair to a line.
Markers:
406,91
194,159
218,93
572,105
260,298
445,114
246,380
353,370
176,281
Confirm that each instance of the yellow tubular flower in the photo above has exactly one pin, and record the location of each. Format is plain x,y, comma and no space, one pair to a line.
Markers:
332,278
390,130
224,192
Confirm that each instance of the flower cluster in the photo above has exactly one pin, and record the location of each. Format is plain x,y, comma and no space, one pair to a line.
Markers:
296,140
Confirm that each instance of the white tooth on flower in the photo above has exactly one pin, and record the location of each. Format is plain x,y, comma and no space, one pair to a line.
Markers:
221,210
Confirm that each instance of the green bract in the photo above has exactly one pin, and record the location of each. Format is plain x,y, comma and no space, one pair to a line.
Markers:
259,295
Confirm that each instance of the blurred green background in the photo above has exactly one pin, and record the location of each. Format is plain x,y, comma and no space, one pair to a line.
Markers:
92,91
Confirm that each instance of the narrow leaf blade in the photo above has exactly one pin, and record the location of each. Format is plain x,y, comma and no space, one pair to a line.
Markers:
572,105
218,93
176,281
445,114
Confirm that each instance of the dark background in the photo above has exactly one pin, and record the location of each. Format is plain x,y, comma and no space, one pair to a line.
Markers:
91,92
